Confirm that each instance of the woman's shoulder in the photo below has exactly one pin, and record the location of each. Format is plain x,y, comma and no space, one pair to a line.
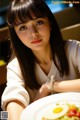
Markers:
14,61
72,44
13,67
13,64
73,49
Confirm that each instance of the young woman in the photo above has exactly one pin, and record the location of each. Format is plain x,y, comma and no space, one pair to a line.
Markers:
43,63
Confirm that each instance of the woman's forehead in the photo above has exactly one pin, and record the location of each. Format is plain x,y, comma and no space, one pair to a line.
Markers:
27,18
20,22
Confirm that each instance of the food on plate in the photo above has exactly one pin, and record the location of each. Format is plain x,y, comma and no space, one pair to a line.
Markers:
62,112
56,112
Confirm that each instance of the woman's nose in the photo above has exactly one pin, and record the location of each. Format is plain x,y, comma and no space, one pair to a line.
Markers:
34,33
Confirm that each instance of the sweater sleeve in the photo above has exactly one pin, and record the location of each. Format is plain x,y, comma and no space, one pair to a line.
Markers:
15,89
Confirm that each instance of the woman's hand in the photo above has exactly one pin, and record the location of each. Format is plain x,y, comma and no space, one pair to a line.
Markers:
42,92
45,90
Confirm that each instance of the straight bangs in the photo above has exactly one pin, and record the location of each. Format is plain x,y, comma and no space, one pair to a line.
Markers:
24,11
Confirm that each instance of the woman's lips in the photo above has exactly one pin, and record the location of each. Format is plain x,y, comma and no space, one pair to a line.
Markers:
36,41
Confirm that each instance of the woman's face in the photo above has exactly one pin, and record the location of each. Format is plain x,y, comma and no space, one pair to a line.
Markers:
35,34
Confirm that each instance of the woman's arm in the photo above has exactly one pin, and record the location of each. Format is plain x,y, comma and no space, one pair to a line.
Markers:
58,86
14,109
15,97
67,86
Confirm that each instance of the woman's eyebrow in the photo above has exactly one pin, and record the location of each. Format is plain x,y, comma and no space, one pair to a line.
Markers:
28,21
18,24
36,18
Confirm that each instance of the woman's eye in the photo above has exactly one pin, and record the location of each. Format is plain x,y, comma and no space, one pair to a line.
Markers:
22,28
40,22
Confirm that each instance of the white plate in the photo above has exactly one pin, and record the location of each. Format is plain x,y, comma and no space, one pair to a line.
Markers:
36,110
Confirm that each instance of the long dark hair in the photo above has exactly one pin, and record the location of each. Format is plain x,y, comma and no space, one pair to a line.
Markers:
20,11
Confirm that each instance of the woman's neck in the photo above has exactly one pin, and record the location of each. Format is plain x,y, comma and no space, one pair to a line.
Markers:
44,59
43,56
